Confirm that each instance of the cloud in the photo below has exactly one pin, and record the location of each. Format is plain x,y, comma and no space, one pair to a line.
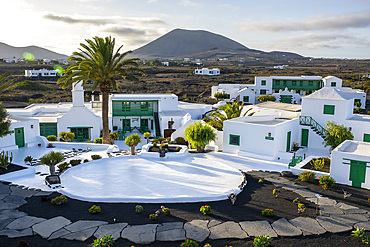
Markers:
125,31
339,22
228,6
188,3
152,1
104,21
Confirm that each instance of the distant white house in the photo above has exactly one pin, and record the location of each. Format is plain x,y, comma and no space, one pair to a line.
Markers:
206,71
10,60
41,73
166,64
46,61
280,66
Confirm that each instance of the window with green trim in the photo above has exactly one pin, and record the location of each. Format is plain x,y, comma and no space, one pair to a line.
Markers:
277,83
333,84
263,83
329,109
310,83
245,99
301,83
234,140
263,91
366,137
294,83
284,83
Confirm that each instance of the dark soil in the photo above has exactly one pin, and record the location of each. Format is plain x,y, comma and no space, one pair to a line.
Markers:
11,168
326,167
251,201
169,149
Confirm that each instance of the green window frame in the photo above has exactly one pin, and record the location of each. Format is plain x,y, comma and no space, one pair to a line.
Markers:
366,137
310,83
333,84
246,99
234,140
284,83
263,83
329,109
294,83
301,83
277,83
263,92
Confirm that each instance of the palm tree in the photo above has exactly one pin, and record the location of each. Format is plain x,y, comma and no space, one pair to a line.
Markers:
199,135
51,159
97,61
147,136
4,121
217,117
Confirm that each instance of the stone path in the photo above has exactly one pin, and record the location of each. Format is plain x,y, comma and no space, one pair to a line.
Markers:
334,217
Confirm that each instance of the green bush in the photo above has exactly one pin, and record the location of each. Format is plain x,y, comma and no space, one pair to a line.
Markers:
114,135
297,200
366,239
30,86
307,176
276,192
139,209
52,138
326,181
262,241
95,156
180,140
89,141
154,144
95,209
166,211
189,243
153,216
301,208
105,241
264,98
268,212
59,200
317,164
67,136
163,145
98,140
221,95
75,162
206,209
162,139
28,159
63,166
359,232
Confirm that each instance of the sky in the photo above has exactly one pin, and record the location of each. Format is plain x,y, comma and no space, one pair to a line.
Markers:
314,28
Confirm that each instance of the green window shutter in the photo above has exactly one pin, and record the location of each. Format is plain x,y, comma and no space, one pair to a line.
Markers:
245,99
366,137
234,140
263,91
329,109
263,83
333,84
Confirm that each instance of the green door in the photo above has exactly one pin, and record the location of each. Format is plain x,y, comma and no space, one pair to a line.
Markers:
357,173
144,124
286,99
81,133
19,137
126,124
304,139
288,136
366,137
47,129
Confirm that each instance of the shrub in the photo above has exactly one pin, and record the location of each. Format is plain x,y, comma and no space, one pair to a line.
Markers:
221,95
276,192
268,212
264,98
162,140
5,159
28,159
52,138
153,216
262,241
295,146
67,136
154,144
301,208
180,140
95,209
155,140
366,239
105,241
114,135
163,145
86,160
326,181
166,211
297,200
260,180
139,209
95,157
59,200
178,149
63,166
98,140
307,176
317,164
207,245
89,141
189,243
206,209
75,162
358,232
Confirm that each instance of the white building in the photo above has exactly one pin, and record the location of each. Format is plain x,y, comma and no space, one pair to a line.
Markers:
289,89
42,73
206,71
166,64
10,60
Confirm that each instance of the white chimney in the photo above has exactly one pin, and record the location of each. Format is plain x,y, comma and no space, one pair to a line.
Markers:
78,95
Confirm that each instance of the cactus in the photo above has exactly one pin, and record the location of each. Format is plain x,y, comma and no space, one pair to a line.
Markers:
5,160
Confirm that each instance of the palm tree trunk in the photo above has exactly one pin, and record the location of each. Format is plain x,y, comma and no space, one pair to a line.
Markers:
132,150
52,170
105,119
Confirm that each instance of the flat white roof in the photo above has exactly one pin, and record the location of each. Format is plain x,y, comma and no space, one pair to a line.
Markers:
302,77
355,147
141,96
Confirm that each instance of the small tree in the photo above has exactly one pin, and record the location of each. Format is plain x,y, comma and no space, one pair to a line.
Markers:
336,134
4,121
132,141
199,135
147,135
67,136
113,136
51,159
264,98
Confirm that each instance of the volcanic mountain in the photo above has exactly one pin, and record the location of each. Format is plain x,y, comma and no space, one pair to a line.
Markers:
7,51
180,43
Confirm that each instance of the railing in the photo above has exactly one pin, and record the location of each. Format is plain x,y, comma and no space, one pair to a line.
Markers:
309,121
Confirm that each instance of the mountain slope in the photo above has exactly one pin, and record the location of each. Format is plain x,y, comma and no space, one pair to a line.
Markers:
7,51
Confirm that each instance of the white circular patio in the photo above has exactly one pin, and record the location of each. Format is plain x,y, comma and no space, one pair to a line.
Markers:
150,179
